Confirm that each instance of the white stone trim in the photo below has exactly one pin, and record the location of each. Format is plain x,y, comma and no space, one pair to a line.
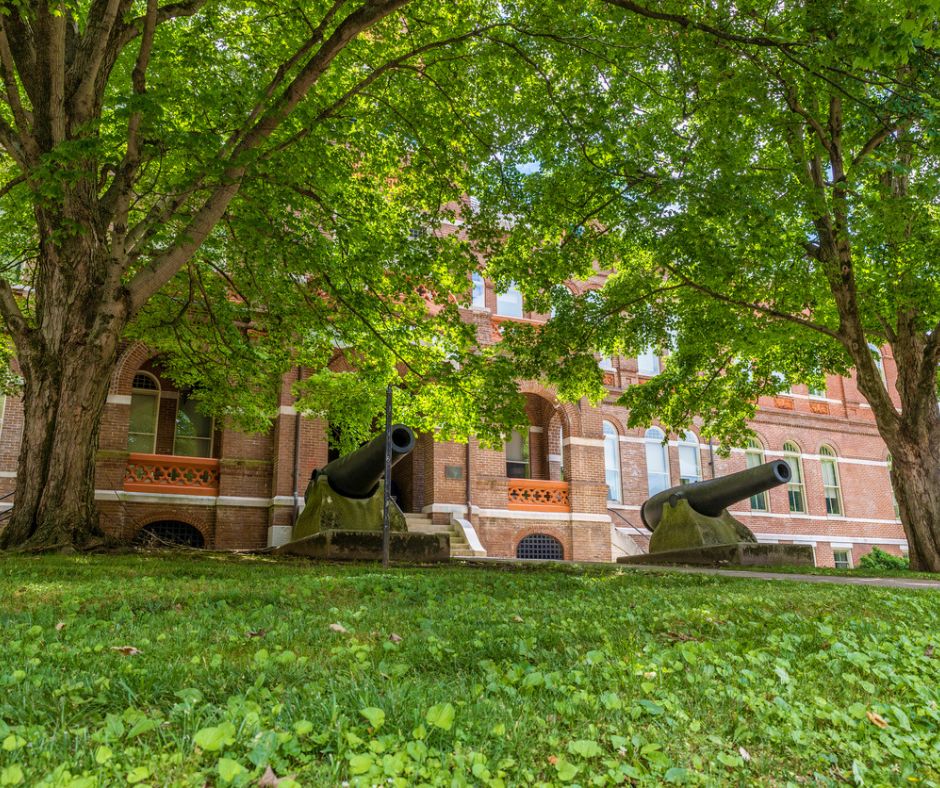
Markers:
555,458
7,474
809,396
470,534
284,500
190,500
825,517
846,541
599,442
119,399
5,506
287,410
841,545
567,517
627,507
445,508
238,500
169,394
536,429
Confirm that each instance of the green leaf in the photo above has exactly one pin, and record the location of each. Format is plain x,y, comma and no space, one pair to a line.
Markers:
360,764
375,716
567,771
11,775
103,754
303,727
215,738
138,774
677,775
229,769
586,748
441,716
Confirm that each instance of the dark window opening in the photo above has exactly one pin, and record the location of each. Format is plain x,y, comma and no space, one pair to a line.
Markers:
169,533
540,546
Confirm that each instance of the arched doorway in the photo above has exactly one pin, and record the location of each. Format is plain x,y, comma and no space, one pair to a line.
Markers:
169,533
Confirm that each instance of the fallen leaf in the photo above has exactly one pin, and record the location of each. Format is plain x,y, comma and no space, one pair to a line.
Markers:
744,753
928,652
270,780
178,607
517,619
257,633
127,651
682,637
876,719
553,759
339,628
395,638
60,626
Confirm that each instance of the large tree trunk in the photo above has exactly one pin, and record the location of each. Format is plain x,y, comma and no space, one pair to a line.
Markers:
915,476
54,506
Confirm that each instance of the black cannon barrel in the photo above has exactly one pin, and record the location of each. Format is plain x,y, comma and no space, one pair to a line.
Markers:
357,474
715,495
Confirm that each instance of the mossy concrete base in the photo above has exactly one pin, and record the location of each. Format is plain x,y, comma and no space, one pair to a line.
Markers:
682,528
325,510
740,554
417,548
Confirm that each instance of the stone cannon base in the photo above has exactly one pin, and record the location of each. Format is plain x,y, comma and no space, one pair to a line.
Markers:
740,554
417,548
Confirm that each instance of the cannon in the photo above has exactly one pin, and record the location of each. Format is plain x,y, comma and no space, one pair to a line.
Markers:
348,494
691,523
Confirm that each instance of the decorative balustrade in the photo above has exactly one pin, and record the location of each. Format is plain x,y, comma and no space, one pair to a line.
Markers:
536,495
163,473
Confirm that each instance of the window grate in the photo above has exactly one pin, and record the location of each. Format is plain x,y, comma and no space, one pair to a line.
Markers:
169,533
144,383
540,546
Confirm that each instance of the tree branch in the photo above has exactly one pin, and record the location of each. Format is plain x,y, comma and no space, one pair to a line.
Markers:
97,35
21,117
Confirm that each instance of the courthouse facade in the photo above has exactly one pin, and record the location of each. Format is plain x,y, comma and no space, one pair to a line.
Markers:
570,487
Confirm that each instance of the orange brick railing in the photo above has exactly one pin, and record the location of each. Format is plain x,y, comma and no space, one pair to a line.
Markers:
535,495
163,473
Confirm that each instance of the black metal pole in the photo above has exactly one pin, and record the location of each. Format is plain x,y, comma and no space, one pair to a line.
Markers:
386,535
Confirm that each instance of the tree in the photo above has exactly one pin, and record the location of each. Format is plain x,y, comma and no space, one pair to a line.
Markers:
760,179
244,185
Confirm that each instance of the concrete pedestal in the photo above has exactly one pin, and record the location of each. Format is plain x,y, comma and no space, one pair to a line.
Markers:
418,548
740,554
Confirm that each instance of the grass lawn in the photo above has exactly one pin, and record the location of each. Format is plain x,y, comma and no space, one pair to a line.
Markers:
483,676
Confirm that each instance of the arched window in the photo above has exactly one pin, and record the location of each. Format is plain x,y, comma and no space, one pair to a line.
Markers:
540,546
193,435
145,409
657,461
830,477
690,459
791,455
876,355
517,456
479,291
648,362
754,456
606,363
509,304
612,462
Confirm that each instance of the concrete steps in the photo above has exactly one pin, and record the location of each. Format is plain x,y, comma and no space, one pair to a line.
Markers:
422,523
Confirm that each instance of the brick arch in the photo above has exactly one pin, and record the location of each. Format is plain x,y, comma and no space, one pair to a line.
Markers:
618,424
172,514
832,445
559,532
567,410
135,355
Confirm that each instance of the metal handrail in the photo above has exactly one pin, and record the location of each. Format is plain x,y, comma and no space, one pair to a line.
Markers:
6,514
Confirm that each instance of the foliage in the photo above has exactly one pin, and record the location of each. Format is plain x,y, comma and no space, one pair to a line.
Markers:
456,676
880,560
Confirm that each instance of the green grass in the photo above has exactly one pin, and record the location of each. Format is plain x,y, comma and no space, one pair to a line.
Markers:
499,676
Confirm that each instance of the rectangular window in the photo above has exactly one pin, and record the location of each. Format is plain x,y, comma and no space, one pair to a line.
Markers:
193,436
831,487
142,430
517,456
759,502
648,363
606,363
509,304
842,559
479,292
689,468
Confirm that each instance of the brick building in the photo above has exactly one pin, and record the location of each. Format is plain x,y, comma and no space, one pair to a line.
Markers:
570,488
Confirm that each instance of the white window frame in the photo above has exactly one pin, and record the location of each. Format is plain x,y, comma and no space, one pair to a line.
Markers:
794,458
526,454
510,303
648,363
828,456
612,473
879,361
690,449
850,564
654,443
477,291
155,394
755,451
